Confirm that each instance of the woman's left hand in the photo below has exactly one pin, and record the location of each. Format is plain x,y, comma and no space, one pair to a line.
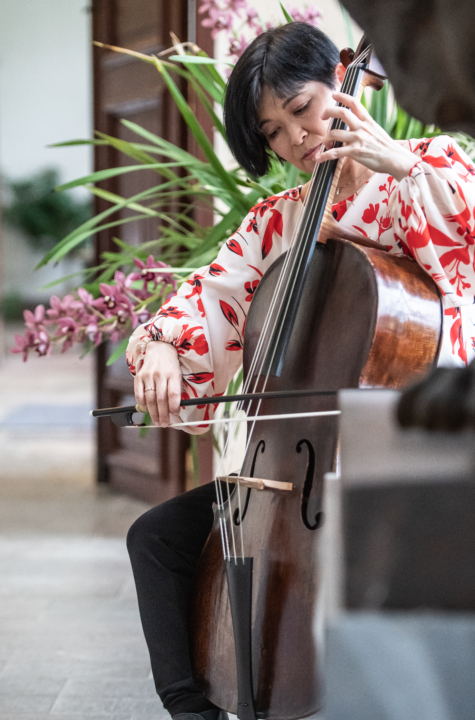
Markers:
365,141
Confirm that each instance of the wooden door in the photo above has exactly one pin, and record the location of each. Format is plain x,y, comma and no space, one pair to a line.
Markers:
152,468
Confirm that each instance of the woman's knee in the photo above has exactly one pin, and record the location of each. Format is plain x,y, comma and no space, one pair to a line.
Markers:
144,530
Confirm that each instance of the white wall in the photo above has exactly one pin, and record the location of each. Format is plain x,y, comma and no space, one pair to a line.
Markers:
45,85
45,97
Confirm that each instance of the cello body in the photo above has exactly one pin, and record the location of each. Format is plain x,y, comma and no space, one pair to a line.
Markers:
366,319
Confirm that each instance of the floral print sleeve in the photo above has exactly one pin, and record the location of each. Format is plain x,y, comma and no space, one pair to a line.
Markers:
206,318
433,216
429,216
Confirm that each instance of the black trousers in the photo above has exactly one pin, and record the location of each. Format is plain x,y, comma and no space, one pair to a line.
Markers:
164,546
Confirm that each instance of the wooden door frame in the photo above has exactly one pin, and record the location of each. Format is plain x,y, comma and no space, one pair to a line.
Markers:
104,29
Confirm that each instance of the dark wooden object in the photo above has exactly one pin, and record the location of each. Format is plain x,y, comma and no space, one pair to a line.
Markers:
152,468
445,400
427,50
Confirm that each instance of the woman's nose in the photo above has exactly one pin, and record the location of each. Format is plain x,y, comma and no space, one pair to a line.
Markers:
298,135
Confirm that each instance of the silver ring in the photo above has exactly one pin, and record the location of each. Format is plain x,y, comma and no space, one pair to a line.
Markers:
148,389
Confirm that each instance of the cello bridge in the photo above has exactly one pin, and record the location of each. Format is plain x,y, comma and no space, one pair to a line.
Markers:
257,483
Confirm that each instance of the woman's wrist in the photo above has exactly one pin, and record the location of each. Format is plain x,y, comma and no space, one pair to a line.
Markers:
404,164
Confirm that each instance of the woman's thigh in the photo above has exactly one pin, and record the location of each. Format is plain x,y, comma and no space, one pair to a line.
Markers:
175,532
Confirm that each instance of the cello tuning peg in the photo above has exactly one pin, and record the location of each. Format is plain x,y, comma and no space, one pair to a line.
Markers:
347,56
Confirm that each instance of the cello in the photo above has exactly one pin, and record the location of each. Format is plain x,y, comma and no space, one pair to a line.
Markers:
335,311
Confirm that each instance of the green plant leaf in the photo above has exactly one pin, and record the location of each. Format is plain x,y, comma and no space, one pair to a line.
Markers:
114,172
90,227
287,15
71,143
198,60
197,131
118,352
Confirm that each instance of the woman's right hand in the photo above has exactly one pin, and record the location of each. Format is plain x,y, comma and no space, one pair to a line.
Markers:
158,382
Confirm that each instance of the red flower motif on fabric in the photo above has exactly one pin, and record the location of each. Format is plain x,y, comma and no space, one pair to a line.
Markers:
456,337
234,246
274,224
215,269
388,188
455,156
232,318
256,269
252,225
262,207
419,238
423,147
195,379
199,378
171,311
195,282
229,313
406,210
437,162
340,208
464,220
234,345
370,214
155,333
191,338
250,288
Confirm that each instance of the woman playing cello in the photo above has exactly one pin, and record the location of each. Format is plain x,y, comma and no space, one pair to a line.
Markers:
417,198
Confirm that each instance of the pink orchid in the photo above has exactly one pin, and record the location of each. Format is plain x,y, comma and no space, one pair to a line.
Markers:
263,28
143,316
309,15
121,281
62,308
206,5
68,329
85,296
218,20
252,18
34,319
236,6
112,301
238,46
37,340
145,268
92,330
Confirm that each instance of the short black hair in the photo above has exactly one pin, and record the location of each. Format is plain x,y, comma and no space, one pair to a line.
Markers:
282,59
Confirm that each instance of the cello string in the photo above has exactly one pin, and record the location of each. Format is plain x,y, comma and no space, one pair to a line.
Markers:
222,522
241,532
233,535
276,292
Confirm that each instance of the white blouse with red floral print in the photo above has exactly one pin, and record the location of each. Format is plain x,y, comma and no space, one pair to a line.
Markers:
429,216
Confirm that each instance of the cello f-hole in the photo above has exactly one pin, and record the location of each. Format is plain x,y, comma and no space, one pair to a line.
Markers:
236,519
307,487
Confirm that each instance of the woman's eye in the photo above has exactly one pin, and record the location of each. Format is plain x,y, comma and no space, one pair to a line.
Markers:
302,109
272,135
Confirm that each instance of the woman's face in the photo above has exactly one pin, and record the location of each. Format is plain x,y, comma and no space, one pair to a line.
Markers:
293,126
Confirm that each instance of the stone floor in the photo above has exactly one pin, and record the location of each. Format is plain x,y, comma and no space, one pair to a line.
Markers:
71,645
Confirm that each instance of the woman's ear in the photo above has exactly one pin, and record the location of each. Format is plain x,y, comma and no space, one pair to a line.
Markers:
340,71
